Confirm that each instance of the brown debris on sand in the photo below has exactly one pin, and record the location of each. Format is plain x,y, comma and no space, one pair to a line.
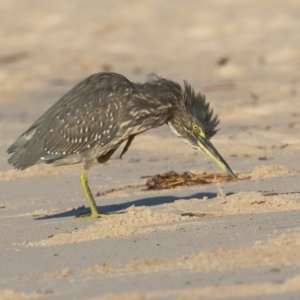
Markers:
172,179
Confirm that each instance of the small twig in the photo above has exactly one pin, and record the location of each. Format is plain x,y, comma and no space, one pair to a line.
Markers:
129,186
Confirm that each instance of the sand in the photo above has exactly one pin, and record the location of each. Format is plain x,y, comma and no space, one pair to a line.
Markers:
143,220
223,239
216,292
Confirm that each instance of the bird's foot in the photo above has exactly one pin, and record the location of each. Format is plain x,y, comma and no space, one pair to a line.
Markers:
97,215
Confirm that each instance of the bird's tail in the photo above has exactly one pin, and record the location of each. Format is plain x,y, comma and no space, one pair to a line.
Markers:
21,157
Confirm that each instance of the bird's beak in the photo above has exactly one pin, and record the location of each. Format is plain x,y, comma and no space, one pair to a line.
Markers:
207,147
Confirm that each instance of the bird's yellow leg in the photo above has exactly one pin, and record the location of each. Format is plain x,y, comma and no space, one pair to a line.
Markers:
94,211
84,184
128,143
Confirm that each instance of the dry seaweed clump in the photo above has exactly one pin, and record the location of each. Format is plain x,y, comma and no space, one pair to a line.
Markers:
173,179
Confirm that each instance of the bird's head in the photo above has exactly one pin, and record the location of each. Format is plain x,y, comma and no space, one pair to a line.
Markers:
195,124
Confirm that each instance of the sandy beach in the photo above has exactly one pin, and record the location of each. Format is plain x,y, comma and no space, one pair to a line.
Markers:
206,236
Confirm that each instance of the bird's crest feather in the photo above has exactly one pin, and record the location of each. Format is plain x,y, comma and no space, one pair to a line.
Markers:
196,105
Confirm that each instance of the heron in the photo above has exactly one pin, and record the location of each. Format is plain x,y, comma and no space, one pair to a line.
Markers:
95,117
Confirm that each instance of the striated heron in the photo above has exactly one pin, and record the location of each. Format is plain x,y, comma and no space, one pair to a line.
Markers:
96,116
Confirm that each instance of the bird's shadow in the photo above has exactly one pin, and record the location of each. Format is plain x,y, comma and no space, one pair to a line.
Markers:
115,208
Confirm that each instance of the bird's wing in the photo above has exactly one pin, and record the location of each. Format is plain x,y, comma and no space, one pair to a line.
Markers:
87,115
70,133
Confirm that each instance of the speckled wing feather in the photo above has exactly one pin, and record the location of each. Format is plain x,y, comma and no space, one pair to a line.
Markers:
85,116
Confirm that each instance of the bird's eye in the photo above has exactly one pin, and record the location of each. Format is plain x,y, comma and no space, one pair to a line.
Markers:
195,127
